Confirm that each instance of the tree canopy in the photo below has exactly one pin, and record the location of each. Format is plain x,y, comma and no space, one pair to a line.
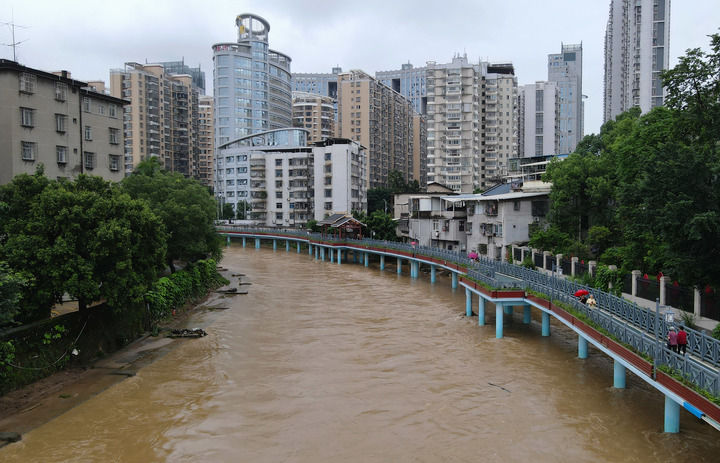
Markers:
185,207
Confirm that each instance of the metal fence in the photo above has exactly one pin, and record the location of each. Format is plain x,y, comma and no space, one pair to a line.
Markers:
631,324
710,304
648,289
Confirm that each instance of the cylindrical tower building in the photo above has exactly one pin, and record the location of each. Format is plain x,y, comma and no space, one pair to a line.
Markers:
251,83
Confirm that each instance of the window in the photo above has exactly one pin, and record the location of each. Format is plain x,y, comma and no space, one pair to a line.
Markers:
328,206
114,162
328,156
278,205
60,120
27,117
278,183
60,91
242,170
27,82
61,154
278,172
101,109
278,194
328,193
112,110
278,163
230,182
28,150
88,133
86,104
516,205
114,136
89,160
328,180
278,215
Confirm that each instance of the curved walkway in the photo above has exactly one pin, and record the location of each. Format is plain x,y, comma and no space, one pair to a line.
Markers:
631,335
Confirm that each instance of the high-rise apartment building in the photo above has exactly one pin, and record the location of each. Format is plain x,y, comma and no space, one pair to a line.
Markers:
420,149
339,177
539,119
206,140
499,123
410,82
637,49
162,118
565,69
325,84
316,113
252,84
179,67
51,119
381,120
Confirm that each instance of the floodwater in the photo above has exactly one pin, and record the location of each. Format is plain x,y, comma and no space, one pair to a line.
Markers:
325,363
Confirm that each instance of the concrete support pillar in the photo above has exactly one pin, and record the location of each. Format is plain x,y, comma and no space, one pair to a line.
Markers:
527,316
672,415
287,246
433,275
545,254
532,254
382,262
612,268
227,242
274,245
355,256
332,255
399,266
524,252
618,375
309,248
244,241
322,253
367,259
481,311
545,324
468,302
635,276
696,303
591,267
454,280
298,247
573,265
508,309
498,320
339,256
257,243
664,281
317,252
558,263
582,347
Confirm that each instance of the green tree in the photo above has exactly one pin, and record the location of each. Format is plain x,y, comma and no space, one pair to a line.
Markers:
243,209
228,212
381,226
379,199
11,288
185,207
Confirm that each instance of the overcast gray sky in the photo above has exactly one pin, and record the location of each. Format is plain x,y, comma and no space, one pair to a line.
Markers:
89,38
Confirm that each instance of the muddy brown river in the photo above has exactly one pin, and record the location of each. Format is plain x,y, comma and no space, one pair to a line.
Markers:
329,363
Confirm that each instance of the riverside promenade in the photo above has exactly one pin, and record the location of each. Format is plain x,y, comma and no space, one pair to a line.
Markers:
631,335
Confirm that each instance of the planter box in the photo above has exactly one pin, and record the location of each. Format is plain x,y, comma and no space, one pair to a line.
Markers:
712,410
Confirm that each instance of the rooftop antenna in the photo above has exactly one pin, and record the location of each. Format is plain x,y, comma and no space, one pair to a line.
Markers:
12,27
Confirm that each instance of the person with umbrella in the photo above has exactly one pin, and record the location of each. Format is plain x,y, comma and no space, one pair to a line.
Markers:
582,295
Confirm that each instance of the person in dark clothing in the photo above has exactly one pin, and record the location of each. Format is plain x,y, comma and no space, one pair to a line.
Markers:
682,341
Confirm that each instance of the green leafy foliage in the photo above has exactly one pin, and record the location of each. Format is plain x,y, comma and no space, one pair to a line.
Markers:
11,287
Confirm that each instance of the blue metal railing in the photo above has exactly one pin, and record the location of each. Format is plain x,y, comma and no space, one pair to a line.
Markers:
628,322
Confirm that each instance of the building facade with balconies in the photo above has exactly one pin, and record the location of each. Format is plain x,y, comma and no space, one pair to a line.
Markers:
252,83
340,185
316,113
51,119
162,117
565,68
206,140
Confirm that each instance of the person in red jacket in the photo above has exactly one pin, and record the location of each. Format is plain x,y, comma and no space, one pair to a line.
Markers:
682,340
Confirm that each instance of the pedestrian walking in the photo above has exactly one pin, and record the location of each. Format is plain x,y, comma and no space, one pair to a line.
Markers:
682,340
672,340
591,302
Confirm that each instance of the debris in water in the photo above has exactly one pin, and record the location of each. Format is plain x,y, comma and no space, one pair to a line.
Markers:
500,387
187,333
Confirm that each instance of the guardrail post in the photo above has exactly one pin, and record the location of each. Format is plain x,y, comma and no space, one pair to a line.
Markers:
582,347
635,276
672,415
468,302
573,265
696,303
454,280
663,289
399,266
382,262
498,320
618,375
545,324
591,267
481,310
433,273
527,316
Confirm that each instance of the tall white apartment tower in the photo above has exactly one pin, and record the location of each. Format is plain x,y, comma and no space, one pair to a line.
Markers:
565,69
637,49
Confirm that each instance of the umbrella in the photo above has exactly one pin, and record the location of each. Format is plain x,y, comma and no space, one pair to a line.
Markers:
473,255
581,292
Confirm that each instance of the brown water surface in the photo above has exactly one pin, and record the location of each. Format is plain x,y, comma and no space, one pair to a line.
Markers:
340,363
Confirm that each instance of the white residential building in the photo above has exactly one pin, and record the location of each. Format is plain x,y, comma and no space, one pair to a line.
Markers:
637,49
565,68
539,119
339,177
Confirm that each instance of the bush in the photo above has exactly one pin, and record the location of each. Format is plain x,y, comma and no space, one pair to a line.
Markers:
716,332
528,263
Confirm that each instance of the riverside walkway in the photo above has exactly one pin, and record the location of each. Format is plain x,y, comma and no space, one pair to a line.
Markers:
632,336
